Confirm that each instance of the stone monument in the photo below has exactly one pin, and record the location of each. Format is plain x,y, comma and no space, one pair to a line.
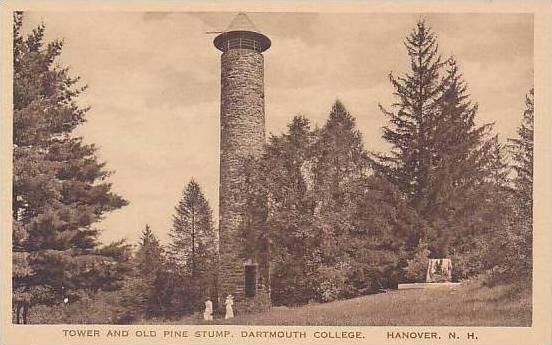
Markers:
438,275
439,271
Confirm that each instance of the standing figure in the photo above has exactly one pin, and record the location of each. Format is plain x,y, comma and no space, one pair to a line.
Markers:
208,313
229,311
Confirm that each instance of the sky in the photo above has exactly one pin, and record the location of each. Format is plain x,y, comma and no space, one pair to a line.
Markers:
154,87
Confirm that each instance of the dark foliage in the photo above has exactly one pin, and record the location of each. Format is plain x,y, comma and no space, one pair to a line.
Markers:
192,253
60,190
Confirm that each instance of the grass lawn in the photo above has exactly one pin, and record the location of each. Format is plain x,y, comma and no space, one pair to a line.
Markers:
469,304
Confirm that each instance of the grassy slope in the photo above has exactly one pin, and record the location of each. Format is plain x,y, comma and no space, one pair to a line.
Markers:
468,305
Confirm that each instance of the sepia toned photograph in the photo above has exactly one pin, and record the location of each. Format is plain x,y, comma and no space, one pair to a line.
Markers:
264,168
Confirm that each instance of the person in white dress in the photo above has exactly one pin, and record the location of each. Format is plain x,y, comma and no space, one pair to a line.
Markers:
208,313
229,303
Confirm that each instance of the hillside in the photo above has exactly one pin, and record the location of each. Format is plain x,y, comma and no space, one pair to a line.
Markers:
470,304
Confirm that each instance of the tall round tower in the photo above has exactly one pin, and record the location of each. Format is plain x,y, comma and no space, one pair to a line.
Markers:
242,135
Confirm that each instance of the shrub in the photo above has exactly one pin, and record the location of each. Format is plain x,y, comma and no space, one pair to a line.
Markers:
416,269
512,262
94,308
332,283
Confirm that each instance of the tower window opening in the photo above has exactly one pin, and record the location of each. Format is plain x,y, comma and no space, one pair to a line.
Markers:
242,43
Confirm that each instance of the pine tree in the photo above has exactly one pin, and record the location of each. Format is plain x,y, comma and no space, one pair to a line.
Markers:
59,188
441,160
340,154
465,160
193,240
334,230
458,147
368,225
522,154
517,239
409,131
288,157
149,257
505,206
382,231
287,182
339,162
144,290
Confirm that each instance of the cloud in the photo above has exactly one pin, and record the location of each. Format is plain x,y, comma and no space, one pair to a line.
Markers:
154,86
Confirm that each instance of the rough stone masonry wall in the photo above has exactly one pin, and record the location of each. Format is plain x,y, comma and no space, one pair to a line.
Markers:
242,135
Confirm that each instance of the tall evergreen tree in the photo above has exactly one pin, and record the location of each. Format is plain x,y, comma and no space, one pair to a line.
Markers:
59,188
466,166
339,161
522,154
193,240
286,180
149,256
340,154
508,250
367,224
334,230
409,132
518,242
440,159
382,232
144,293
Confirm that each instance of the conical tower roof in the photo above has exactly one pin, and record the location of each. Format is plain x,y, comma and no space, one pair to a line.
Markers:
242,33
241,22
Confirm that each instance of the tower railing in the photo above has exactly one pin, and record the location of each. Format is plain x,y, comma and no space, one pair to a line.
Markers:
242,43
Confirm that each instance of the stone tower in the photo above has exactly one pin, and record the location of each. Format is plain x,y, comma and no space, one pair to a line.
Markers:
242,135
